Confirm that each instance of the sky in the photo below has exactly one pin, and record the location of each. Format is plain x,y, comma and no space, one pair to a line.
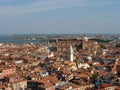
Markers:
59,16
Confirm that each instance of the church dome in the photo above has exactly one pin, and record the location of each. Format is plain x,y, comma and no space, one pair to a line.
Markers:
89,58
95,43
85,38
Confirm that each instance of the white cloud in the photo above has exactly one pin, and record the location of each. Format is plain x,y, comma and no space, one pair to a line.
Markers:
43,5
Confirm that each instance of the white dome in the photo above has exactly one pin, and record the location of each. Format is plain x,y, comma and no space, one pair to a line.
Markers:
85,38
95,42
89,58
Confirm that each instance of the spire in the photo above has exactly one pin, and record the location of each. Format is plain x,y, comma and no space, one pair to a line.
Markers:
84,34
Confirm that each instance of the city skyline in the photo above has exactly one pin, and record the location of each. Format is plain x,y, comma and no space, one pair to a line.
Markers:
59,16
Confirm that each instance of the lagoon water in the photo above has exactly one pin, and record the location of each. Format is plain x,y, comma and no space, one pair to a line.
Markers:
12,39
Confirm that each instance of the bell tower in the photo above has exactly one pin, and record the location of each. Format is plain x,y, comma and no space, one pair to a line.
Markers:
71,53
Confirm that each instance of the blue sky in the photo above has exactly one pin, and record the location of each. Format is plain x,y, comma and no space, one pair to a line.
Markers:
59,16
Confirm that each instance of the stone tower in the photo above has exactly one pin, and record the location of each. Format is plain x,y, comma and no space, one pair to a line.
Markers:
71,53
